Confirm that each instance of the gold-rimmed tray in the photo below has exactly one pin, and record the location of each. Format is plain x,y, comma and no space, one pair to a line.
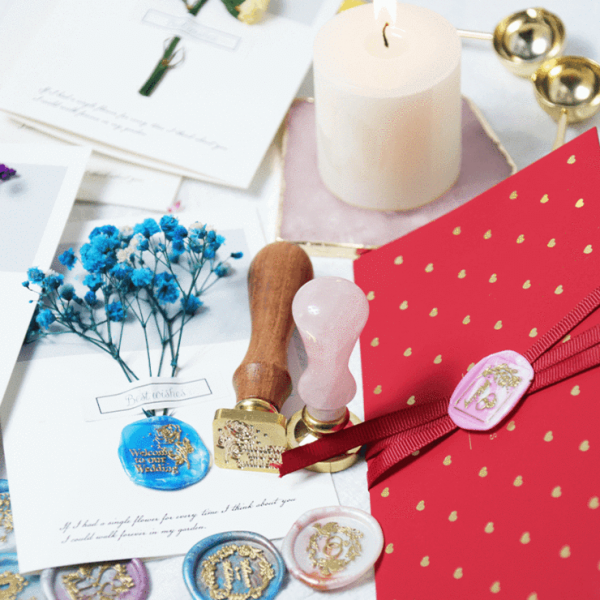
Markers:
311,216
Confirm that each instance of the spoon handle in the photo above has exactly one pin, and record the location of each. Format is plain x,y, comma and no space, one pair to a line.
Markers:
474,35
562,129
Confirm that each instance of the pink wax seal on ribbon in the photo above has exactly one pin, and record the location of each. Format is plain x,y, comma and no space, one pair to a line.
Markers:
490,390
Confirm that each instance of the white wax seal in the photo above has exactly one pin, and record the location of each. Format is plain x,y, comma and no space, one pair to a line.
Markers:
328,548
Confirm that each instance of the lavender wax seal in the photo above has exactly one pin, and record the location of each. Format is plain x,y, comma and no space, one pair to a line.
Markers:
125,580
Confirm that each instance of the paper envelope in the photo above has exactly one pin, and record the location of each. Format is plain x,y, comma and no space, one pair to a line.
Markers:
513,511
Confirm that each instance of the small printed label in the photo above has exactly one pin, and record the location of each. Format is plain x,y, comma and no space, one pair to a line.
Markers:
194,31
152,394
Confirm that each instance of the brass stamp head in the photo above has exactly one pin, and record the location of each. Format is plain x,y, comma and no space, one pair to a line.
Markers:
249,440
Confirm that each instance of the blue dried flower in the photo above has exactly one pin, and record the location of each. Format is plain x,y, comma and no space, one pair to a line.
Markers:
236,255
66,291
93,281
222,270
35,275
169,224
115,312
91,298
148,228
121,271
177,248
141,277
191,304
98,257
143,245
166,288
180,232
68,258
106,231
45,318
53,281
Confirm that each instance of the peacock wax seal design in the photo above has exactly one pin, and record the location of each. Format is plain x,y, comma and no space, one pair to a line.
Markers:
163,453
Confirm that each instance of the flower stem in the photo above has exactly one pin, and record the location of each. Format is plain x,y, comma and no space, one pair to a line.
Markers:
163,65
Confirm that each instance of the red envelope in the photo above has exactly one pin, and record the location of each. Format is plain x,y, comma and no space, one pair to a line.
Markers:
514,512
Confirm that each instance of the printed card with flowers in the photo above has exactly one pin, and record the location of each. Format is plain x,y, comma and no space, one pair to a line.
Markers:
137,333
194,88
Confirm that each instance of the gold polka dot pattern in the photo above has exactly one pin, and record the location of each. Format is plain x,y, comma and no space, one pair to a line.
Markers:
500,271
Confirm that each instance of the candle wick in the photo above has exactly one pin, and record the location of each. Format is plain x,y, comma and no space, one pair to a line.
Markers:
385,40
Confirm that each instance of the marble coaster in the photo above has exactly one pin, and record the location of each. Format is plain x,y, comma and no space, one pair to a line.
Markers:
311,215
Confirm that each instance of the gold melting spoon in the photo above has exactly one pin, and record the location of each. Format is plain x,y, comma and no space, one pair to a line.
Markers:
524,40
568,89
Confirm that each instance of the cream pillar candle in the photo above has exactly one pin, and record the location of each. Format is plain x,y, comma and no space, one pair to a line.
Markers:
388,118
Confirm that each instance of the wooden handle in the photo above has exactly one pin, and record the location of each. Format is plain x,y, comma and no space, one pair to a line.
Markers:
277,272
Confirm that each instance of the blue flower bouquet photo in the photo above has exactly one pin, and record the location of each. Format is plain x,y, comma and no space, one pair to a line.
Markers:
152,278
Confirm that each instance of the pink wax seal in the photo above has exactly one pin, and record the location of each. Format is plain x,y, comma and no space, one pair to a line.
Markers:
331,547
490,390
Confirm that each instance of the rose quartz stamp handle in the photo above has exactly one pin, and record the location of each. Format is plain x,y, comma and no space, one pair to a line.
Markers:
330,313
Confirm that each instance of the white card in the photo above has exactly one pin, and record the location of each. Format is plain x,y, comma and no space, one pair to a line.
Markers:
106,179
215,111
93,512
35,206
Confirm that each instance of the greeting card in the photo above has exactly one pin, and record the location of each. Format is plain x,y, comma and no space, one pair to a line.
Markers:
512,511
69,411
174,86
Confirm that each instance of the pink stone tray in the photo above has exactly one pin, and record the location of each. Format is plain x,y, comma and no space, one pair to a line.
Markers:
312,216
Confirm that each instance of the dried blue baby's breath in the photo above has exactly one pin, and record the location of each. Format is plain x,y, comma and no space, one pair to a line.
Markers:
151,275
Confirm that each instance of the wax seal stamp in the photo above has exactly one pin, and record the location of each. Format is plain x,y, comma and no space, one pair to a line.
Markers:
329,548
490,390
236,565
124,580
330,313
163,453
252,436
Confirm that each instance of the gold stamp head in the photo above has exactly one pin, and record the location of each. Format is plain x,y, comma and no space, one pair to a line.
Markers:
249,440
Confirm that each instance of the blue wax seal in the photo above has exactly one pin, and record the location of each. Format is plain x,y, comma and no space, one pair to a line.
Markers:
7,534
15,585
163,453
236,564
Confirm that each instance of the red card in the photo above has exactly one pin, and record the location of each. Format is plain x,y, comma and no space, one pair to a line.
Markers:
515,511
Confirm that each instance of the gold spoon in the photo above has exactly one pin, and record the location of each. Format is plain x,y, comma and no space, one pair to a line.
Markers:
568,89
524,40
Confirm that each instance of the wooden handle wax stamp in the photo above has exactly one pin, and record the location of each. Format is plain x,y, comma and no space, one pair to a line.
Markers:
252,435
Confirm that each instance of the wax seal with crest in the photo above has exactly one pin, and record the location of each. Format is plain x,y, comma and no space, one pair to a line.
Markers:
163,453
237,565
332,547
122,580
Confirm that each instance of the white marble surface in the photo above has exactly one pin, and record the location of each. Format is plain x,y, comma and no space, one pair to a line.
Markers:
506,101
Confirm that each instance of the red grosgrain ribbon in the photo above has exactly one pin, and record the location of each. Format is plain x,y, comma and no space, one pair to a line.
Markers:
394,436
